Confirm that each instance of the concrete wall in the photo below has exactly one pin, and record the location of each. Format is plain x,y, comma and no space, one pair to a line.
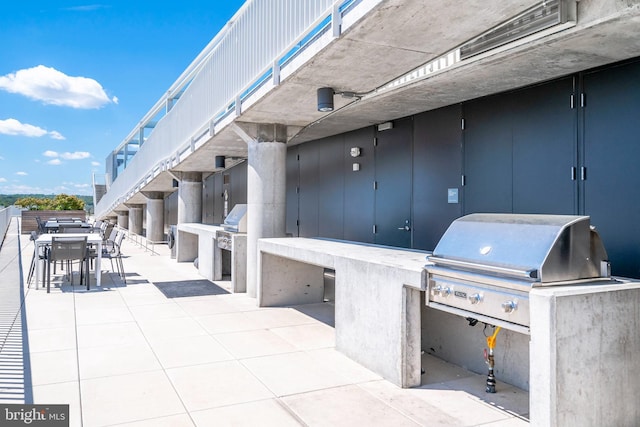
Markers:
449,337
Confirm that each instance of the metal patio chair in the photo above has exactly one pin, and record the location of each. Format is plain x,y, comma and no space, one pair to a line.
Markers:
41,256
68,249
114,252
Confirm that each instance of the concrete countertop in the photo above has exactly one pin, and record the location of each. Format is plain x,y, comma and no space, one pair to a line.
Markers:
323,252
197,228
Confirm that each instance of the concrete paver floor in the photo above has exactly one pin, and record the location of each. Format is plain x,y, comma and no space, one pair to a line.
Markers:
126,355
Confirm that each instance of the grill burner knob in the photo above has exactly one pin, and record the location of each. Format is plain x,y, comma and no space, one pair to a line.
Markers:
475,298
439,290
509,306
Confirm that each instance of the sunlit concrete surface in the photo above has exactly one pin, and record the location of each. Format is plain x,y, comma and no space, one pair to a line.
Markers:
128,355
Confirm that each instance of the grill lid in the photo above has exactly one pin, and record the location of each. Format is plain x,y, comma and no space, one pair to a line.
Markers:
538,248
237,219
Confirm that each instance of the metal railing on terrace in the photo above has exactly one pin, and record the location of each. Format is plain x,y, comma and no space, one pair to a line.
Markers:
251,52
5,220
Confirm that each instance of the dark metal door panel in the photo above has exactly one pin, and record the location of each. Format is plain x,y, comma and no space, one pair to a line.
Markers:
218,199
238,184
331,187
393,178
358,187
291,222
611,158
488,156
437,168
308,195
208,199
544,149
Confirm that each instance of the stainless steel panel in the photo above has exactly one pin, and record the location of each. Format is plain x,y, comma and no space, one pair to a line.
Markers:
542,248
479,298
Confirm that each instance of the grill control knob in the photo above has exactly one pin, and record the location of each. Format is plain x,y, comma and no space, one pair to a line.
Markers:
510,306
443,291
475,298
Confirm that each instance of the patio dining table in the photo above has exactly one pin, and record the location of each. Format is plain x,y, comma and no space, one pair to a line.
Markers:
54,226
94,239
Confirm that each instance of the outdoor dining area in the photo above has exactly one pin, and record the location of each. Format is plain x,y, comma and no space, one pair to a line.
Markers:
67,242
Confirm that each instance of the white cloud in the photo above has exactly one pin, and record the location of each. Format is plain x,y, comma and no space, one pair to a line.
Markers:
95,163
22,173
87,8
76,155
53,87
54,162
56,135
115,99
3,179
15,127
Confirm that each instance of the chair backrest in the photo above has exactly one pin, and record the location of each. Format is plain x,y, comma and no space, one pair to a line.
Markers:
108,229
118,242
68,248
74,227
41,225
113,235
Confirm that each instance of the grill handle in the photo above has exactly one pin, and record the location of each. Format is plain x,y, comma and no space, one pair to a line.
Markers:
512,272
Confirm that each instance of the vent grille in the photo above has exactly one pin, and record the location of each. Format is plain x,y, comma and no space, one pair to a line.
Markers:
538,18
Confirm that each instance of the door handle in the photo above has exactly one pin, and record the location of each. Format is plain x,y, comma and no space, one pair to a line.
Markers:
406,227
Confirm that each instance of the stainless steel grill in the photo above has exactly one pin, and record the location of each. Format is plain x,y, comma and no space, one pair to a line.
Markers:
235,222
485,264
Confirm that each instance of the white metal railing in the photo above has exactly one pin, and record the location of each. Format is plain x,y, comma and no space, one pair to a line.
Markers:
259,40
5,219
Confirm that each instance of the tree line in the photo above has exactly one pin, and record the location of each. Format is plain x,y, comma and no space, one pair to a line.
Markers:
48,202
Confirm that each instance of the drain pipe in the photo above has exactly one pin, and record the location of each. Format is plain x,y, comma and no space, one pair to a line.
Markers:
491,379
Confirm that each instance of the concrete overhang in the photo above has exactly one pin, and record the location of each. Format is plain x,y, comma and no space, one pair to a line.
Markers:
398,36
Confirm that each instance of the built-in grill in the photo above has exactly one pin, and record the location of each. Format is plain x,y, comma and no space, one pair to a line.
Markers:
485,264
230,252
235,222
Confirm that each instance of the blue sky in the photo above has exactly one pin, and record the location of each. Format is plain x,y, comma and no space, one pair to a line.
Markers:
75,78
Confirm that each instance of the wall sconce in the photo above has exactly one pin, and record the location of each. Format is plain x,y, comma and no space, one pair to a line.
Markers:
325,99
220,162
354,151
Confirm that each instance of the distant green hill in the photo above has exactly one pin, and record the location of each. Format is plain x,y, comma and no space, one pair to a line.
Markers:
9,199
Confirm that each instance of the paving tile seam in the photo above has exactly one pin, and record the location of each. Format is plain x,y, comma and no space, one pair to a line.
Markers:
157,358
148,419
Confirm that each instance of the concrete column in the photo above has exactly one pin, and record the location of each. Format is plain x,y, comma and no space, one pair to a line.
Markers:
266,194
190,198
155,216
135,219
123,219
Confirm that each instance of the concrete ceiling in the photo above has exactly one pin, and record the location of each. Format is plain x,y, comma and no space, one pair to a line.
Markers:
401,35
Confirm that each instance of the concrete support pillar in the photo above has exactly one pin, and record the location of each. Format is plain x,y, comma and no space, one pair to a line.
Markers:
155,216
266,193
190,198
135,219
123,219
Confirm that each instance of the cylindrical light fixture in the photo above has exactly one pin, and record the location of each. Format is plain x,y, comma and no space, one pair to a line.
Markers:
325,99
219,162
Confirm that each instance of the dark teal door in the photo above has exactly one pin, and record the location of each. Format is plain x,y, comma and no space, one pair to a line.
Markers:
393,160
